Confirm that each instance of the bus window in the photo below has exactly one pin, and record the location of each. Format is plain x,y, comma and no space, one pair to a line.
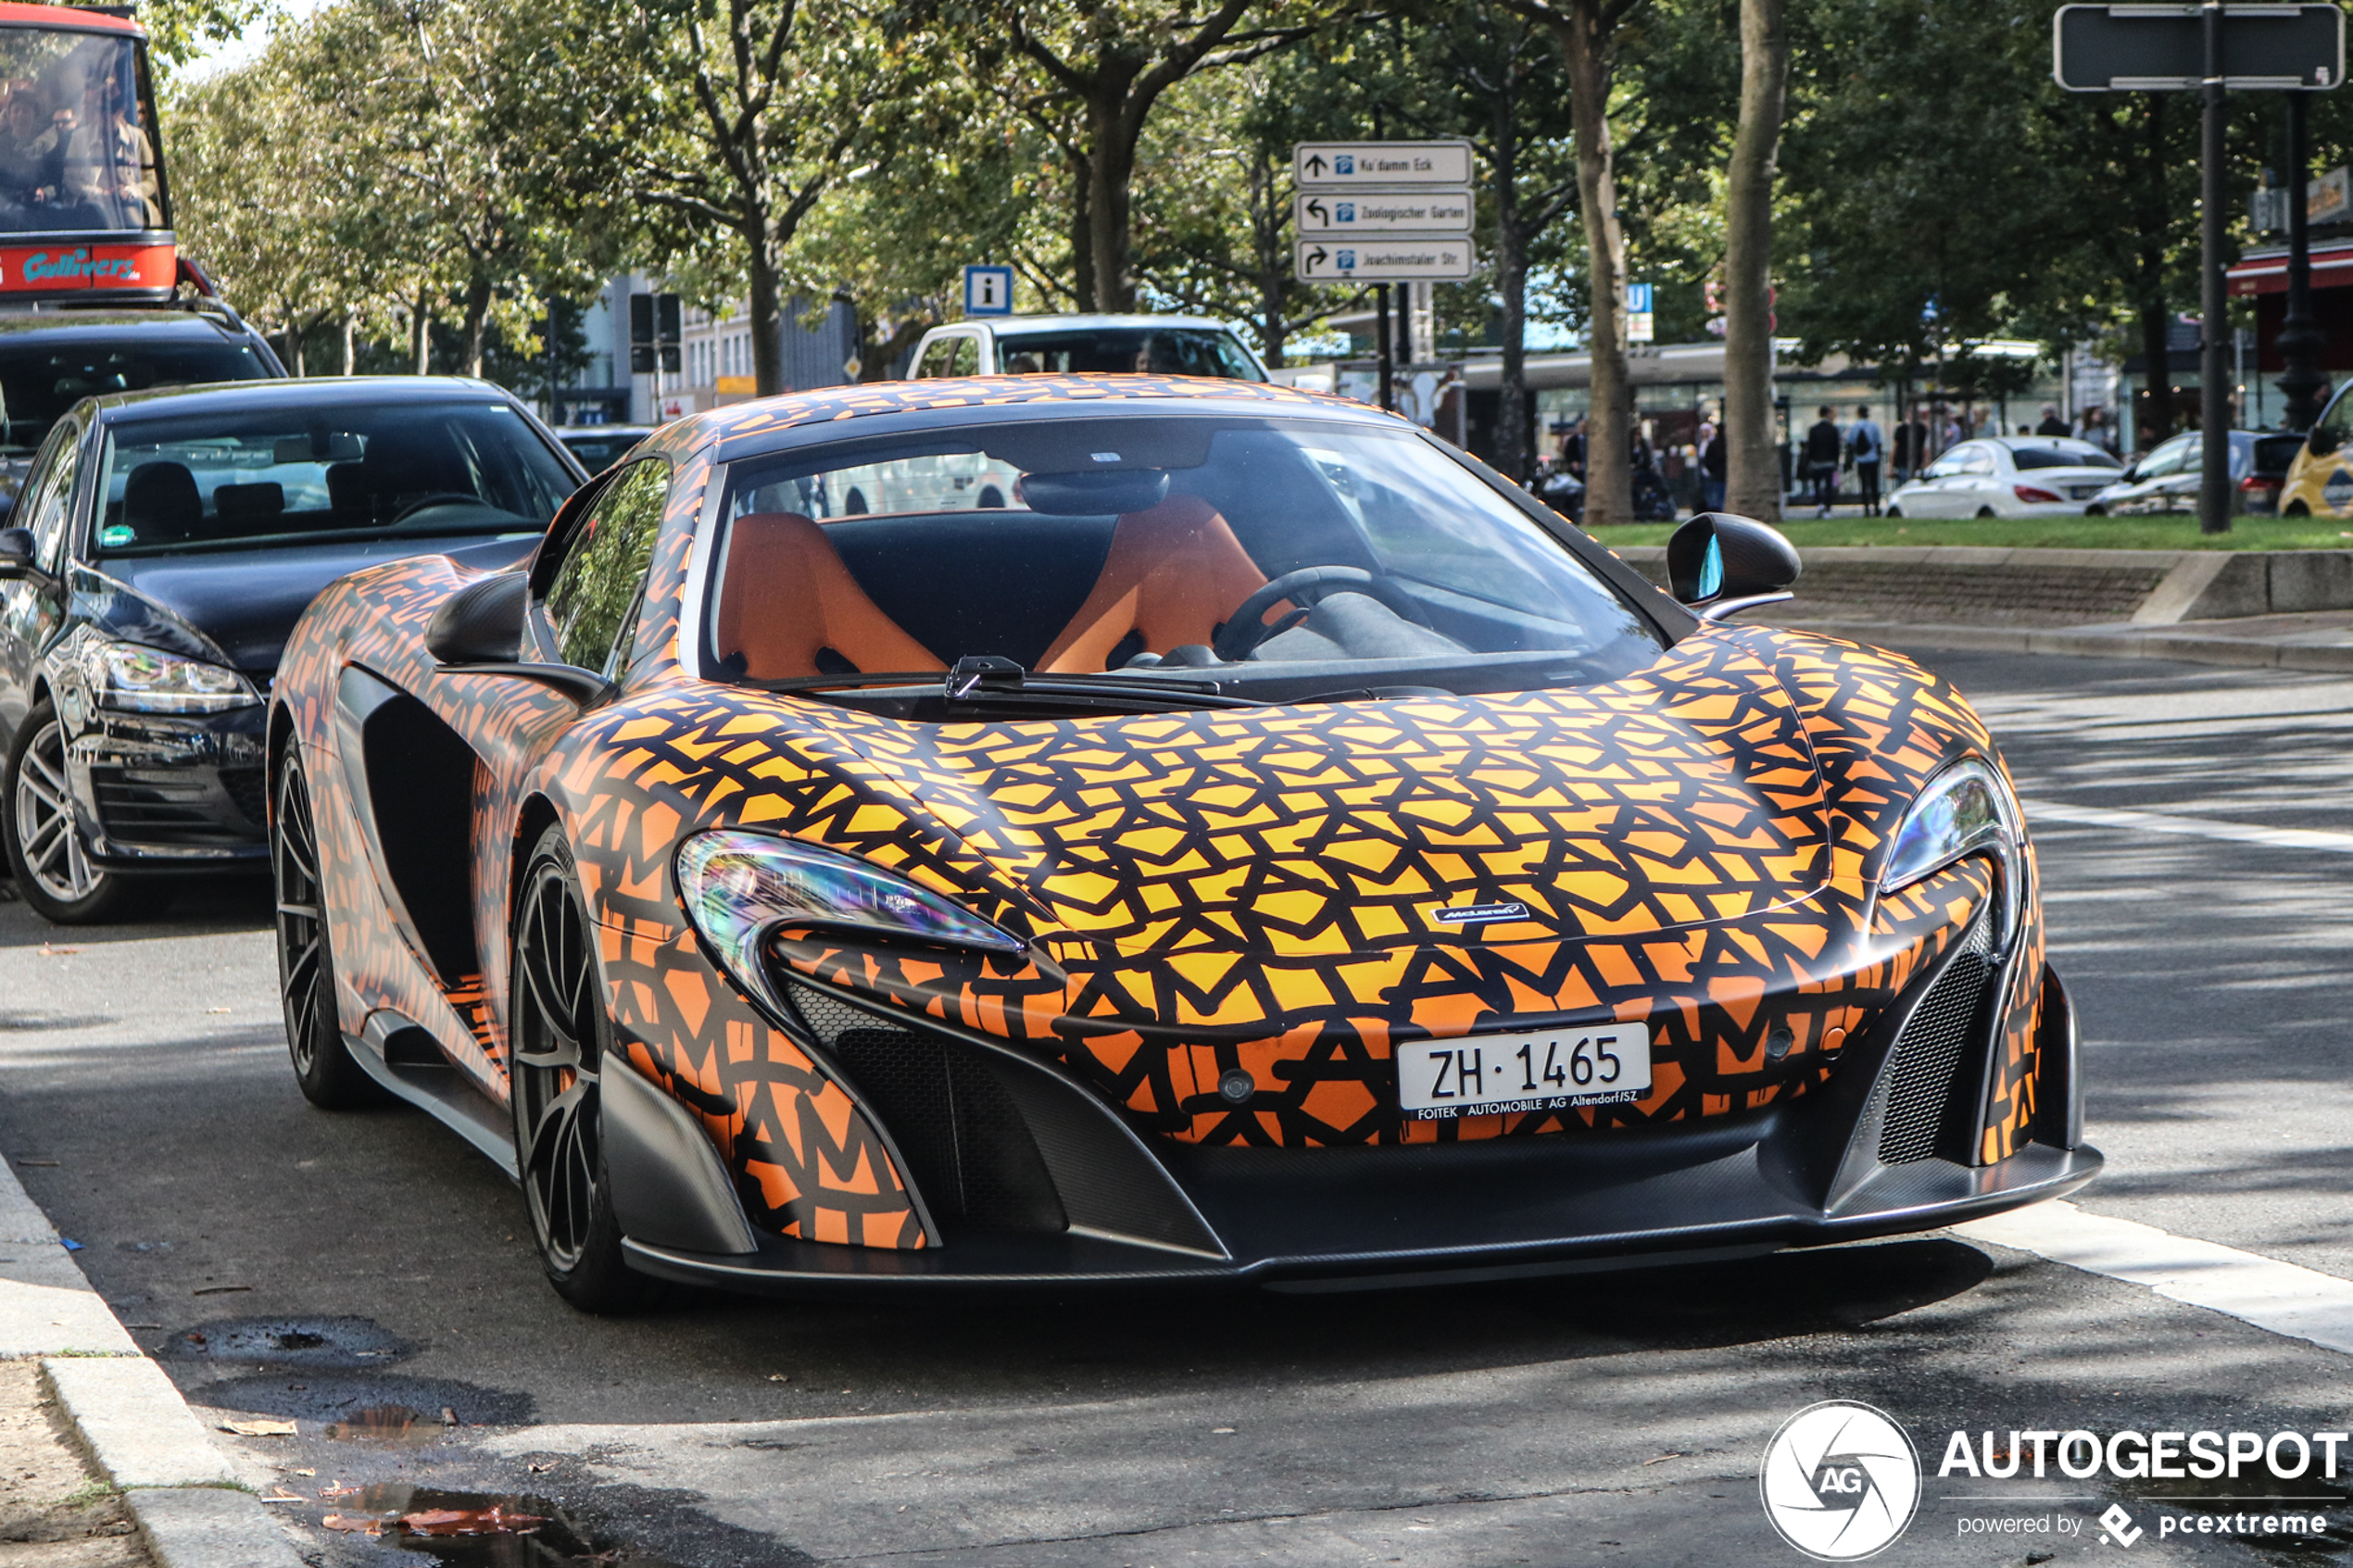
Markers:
77,144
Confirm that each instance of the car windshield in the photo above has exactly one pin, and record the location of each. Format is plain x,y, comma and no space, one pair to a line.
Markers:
1265,557
77,152
2067,455
40,381
598,451
176,485
1166,351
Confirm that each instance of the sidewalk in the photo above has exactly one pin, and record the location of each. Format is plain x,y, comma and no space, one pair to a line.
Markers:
2320,640
140,1439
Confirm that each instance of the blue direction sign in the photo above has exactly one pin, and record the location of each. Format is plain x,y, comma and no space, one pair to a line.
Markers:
988,291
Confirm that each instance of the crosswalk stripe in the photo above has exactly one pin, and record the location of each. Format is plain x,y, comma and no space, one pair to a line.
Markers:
2283,1299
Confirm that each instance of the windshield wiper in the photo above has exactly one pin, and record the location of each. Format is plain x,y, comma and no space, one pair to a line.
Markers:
984,678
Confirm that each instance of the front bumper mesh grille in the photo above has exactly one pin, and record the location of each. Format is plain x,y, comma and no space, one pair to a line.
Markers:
191,807
968,1148
1936,1041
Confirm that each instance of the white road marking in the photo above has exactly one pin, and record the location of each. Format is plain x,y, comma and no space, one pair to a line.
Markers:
2279,1297
2193,827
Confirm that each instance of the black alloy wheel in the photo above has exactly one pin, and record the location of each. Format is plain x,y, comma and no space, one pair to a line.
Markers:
324,1065
45,852
561,1039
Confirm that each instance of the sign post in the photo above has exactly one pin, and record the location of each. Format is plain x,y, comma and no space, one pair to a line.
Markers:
2210,48
1382,213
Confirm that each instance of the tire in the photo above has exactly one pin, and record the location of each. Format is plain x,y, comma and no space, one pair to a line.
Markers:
1985,511
45,852
561,1037
2297,508
991,498
324,1065
1895,511
2095,512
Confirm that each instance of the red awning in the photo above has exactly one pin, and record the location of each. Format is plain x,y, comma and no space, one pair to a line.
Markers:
2267,272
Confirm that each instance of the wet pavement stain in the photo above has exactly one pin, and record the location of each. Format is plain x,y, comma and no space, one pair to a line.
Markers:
333,1395
394,1424
334,1342
475,1529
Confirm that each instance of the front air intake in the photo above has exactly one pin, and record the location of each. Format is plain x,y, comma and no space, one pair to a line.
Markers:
968,1148
1929,1053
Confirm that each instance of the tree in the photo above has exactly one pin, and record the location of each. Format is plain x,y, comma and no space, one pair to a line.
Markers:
1215,225
1586,30
1752,469
1112,60
734,117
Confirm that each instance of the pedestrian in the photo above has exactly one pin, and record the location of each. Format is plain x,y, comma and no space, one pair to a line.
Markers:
1864,448
1712,467
2097,431
2052,424
1573,449
1909,448
1823,445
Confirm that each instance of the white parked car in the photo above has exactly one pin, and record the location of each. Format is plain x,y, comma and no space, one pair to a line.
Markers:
1014,345
2008,476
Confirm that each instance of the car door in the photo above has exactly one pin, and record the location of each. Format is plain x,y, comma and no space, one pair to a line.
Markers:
1937,496
2158,478
32,607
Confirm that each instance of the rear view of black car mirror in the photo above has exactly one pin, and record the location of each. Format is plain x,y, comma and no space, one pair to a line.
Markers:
478,631
16,552
481,623
1718,564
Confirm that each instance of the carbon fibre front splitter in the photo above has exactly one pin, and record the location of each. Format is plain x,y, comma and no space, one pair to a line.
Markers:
1706,1210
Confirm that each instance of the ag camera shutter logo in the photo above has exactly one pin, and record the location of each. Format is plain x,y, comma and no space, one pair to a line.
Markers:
1841,1481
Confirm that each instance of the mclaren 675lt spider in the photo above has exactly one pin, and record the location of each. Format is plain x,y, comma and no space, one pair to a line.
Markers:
1113,828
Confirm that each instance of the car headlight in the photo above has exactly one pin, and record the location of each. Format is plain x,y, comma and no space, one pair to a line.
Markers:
1966,809
146,680
738,888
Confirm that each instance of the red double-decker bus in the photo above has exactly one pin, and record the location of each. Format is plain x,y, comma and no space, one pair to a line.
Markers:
85,207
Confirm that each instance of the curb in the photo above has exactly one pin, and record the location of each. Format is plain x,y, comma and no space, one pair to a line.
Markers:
2188,649
124,1410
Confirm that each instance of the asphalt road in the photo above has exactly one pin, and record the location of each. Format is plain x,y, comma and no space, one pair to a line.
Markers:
336,1264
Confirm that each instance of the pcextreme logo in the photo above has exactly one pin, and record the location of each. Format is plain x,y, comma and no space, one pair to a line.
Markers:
1840,1481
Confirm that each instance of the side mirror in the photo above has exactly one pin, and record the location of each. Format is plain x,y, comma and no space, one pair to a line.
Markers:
481,623
16,552
1717,563
478,631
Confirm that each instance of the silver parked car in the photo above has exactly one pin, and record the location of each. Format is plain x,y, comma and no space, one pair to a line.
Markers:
1013,345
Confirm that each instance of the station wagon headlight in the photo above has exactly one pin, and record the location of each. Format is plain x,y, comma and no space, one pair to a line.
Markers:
137,678
739,888
1966,809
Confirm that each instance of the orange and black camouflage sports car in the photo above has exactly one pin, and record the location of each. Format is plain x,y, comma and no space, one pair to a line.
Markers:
1120,828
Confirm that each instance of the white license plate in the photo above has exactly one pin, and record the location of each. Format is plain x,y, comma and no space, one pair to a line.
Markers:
1505,1074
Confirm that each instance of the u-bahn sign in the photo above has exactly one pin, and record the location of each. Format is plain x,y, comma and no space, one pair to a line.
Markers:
2144,49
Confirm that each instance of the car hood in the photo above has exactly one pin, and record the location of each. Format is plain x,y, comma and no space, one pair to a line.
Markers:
237,606
1687,795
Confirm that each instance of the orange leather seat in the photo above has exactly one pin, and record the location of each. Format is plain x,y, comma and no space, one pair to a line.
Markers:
1172,573
784,594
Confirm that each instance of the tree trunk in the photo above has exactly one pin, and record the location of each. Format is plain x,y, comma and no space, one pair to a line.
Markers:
1512,455
421,333
1111,167
2157,404
294,350
1754,469
1609,467
1082,236
767,314
350,326
2149,277
477,321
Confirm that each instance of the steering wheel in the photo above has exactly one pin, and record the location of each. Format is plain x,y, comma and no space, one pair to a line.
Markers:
1246,628
438,498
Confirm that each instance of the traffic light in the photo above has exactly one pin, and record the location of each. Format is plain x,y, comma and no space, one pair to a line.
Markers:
654,330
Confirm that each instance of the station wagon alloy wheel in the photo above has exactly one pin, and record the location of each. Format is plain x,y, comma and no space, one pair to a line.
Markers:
52,865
